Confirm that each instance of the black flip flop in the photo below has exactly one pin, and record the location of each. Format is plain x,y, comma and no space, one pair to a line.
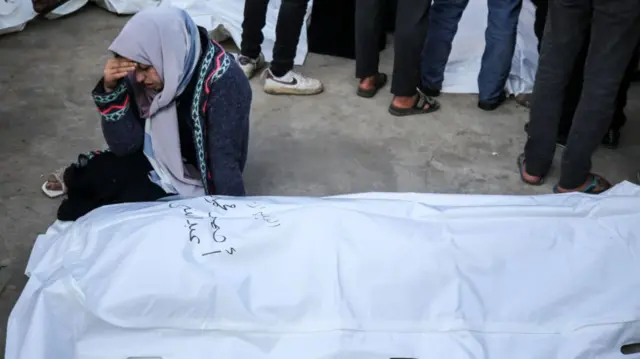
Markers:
521,169
417,108
379,82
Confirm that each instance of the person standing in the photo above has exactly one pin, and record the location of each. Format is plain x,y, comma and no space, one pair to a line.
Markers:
612,28
611,139
280,79
500,38
410,30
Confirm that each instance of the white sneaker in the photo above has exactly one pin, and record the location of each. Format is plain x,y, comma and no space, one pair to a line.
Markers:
292,83
250,66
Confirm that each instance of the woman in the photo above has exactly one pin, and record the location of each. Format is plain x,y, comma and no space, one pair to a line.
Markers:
175,94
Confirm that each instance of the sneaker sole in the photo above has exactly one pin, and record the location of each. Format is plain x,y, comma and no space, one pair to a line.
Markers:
293,92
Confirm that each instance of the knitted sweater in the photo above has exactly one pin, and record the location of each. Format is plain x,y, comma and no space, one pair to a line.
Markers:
213,119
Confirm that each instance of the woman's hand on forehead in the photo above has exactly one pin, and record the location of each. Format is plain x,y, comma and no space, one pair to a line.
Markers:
125,61
115,69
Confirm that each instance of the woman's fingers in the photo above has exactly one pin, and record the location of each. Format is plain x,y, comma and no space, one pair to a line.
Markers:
119,74
116,69
119,65
123,69
127,66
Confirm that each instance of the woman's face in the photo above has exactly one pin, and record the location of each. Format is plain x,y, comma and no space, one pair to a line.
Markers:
148,76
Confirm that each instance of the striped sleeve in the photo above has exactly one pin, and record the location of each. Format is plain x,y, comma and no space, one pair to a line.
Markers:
122,127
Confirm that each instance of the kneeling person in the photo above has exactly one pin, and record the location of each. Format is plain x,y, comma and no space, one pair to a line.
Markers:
175,94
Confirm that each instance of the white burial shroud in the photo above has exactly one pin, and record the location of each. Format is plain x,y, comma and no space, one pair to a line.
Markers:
370,276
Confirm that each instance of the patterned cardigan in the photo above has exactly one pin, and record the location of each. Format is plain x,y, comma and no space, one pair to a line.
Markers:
213,116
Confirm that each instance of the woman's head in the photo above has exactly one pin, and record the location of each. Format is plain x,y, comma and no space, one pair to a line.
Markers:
164,43
148,76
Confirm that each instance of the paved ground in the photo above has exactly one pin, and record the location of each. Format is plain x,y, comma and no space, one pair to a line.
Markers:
328,144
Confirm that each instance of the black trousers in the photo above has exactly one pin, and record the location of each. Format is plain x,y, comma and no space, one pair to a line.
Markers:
288,29
574,88
410,32
612,28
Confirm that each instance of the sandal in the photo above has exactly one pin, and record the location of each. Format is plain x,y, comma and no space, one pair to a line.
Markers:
597,185
55,177
379,81
521,171
417,108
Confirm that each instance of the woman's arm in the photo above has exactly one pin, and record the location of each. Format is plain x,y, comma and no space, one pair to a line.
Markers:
227,146
122,127
228,111
227,174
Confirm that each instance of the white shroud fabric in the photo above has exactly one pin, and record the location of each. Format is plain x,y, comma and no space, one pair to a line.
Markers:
371,276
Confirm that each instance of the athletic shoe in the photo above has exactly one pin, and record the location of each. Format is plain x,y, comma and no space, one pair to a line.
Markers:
292,83
250,66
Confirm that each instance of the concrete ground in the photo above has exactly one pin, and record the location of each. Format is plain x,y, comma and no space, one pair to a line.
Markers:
328,144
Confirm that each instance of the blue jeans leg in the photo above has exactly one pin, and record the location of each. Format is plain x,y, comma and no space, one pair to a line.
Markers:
444,17
500,38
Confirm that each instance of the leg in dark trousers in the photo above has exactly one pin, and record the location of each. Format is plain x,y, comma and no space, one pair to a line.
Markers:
573,92
255,14
574,88
614,33
565,31
619,118
368,28
411,30
542,7
288,30
612,137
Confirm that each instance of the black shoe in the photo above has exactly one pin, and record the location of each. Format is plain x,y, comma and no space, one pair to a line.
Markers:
612,139
431,92
492,105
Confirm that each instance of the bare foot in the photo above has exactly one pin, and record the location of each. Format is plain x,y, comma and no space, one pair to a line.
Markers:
595,184
53,184
368,83
406,101
529,178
